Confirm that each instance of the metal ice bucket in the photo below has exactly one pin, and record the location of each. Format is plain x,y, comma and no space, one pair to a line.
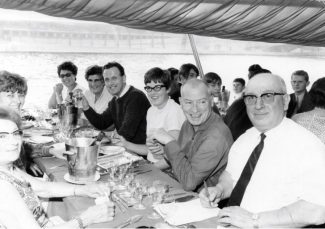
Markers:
68,115
82,158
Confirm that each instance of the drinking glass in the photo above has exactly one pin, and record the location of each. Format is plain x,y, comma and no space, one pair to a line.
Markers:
157,192
139,193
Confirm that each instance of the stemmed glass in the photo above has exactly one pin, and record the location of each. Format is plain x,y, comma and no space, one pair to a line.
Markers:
139,193
157,192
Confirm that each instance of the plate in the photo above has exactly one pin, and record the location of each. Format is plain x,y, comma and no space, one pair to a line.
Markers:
67,178
41,139
111,150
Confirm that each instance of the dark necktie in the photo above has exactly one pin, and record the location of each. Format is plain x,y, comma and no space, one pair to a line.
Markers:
239,189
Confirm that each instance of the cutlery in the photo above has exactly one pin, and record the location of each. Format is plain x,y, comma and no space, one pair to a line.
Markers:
130,221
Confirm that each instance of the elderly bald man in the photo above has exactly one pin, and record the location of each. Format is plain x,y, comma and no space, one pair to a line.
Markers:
275,172
201,151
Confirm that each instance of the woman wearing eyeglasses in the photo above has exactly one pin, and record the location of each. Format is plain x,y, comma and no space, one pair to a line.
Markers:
164,113
19,191
67,72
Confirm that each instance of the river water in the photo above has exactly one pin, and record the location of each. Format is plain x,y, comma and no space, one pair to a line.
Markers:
40,68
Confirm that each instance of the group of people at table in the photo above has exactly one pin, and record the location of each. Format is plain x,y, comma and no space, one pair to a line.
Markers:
270,176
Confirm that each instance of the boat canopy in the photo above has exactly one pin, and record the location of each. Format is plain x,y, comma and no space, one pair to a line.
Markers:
277,21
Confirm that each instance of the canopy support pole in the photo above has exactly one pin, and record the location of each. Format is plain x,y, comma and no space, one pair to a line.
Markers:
196,55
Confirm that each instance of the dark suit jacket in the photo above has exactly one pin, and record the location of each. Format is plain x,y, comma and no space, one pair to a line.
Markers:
306,104
237,119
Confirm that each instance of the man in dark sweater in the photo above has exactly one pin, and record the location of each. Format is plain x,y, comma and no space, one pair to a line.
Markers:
127,110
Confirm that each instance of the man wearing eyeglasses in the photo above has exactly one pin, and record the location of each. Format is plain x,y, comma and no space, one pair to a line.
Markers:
127,110
67,72
272,179
201,150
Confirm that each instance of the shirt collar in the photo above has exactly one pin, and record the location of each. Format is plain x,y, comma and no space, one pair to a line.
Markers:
125,89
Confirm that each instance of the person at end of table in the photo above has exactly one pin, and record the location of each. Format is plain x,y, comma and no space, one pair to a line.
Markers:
20,192
271,179
13,91
67,72
299,100
314,120
164,113
127,110
201,151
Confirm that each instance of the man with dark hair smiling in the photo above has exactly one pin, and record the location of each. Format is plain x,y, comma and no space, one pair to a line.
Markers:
127,110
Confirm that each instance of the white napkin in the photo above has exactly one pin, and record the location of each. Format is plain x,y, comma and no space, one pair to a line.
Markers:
185,212
41,139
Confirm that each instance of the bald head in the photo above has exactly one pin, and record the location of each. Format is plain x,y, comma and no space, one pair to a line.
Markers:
194,84
268,110
196,101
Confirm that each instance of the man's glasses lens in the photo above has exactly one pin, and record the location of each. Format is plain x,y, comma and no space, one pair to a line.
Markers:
266,98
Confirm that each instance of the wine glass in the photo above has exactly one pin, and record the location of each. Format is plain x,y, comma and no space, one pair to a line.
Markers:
157,192
139,193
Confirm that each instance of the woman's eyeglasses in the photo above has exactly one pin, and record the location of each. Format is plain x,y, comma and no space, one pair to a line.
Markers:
16,134
155,88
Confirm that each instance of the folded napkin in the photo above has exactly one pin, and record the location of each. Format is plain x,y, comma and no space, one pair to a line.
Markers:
185,212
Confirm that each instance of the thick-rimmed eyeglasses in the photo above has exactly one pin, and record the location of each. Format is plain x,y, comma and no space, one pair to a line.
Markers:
65,75
267,98
155,88
16,134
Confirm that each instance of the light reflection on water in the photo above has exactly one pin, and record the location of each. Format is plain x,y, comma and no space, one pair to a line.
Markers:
40,68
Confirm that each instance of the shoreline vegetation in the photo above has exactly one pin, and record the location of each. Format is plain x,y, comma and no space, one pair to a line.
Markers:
95,37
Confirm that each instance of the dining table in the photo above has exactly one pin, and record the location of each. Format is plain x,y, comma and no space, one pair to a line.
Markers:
72,206
69,207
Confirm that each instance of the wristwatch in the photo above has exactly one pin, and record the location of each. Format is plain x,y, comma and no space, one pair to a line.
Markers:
255,218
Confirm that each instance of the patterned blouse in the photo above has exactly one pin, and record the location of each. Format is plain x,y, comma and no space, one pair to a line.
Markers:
28,195
314,121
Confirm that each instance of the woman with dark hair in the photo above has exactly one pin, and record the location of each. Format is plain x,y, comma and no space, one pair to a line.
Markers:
20,192
314,120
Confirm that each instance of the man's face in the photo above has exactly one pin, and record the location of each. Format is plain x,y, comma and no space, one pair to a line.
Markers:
298,83
196,104
14,100
96,84
114,81
215,88
266,115
67,78
237,87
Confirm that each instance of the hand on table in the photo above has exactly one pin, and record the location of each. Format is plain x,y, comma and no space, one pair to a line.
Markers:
154,147
235,217
215,195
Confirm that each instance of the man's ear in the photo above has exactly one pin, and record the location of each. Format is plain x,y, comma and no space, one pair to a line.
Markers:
286,101
307,84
